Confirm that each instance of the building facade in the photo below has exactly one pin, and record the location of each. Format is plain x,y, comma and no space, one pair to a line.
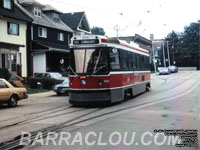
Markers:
13,38
49,38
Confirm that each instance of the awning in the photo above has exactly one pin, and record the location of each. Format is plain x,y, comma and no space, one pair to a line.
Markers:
43,46
10,45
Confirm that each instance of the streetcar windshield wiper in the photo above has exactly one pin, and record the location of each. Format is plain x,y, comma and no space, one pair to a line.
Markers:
73,70
99,69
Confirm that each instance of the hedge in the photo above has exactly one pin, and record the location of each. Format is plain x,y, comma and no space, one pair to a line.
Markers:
46,83
4,73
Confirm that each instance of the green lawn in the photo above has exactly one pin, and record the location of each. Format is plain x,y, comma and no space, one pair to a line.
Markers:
32,91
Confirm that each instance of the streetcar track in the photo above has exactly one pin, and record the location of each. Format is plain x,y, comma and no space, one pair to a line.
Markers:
37,114
57,128
35,119
15,143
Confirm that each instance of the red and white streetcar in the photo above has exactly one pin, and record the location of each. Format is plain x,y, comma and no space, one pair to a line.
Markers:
106,69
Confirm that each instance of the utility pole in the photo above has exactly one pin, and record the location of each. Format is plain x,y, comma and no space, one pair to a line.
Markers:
117,30
168,53
164,53
154,59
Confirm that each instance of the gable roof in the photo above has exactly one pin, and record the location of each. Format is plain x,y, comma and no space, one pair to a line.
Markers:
15,13
44,20
77,21
30,2
48,8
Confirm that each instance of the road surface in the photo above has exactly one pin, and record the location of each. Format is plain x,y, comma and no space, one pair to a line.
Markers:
172,106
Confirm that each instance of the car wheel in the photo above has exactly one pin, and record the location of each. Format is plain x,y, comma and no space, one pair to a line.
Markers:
13,101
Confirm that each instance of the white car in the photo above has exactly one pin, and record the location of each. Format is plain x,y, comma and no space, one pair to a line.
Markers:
173,69
164,70
63,87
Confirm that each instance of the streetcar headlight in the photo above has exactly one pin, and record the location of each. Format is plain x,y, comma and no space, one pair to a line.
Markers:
100,83
83,82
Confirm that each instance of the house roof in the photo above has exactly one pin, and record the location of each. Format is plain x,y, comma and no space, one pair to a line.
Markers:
16,13
10,45
48,8
30,2
38,46
44,20
75,20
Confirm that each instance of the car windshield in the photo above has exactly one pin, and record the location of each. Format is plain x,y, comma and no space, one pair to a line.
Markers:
89,61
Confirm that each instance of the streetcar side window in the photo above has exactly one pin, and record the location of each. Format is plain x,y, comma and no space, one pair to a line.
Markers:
148,64
134,61
142,63
130,64
138,62
124,60
114,59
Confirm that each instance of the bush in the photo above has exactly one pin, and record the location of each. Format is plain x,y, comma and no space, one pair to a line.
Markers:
46,83
4,73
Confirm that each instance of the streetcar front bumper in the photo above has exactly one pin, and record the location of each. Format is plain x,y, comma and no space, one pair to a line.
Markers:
76,96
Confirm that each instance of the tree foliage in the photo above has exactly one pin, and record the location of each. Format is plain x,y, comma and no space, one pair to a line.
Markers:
185,46
98,31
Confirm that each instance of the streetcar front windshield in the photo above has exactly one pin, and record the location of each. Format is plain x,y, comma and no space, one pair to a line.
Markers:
89,61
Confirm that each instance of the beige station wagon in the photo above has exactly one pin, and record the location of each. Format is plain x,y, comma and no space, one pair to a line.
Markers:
10,94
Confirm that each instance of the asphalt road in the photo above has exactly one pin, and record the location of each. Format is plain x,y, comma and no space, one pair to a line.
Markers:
172,106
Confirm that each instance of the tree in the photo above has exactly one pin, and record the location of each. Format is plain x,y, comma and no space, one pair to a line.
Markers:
186,46
173,40
98,31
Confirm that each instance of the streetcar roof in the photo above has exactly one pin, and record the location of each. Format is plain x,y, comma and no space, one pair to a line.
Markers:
98,40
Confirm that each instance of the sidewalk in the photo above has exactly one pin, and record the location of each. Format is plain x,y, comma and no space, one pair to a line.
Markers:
41,95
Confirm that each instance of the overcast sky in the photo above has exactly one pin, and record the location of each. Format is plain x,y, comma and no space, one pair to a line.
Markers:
144,17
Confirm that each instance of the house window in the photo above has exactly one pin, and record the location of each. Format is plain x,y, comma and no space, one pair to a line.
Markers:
55,17
61,36
7,4
13,28
37,11
42,32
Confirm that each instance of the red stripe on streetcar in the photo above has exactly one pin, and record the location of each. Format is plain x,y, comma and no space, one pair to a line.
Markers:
112,81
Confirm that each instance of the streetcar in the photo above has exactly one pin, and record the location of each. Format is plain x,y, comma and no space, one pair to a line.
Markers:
106,69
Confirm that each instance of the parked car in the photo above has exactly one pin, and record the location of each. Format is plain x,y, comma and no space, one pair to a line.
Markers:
55,75
173,69
163,70
10,94
63,87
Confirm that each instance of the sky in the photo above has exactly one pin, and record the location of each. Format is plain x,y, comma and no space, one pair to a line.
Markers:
130,17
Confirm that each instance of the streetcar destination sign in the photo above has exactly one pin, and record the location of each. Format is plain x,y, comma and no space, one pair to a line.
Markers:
90,41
